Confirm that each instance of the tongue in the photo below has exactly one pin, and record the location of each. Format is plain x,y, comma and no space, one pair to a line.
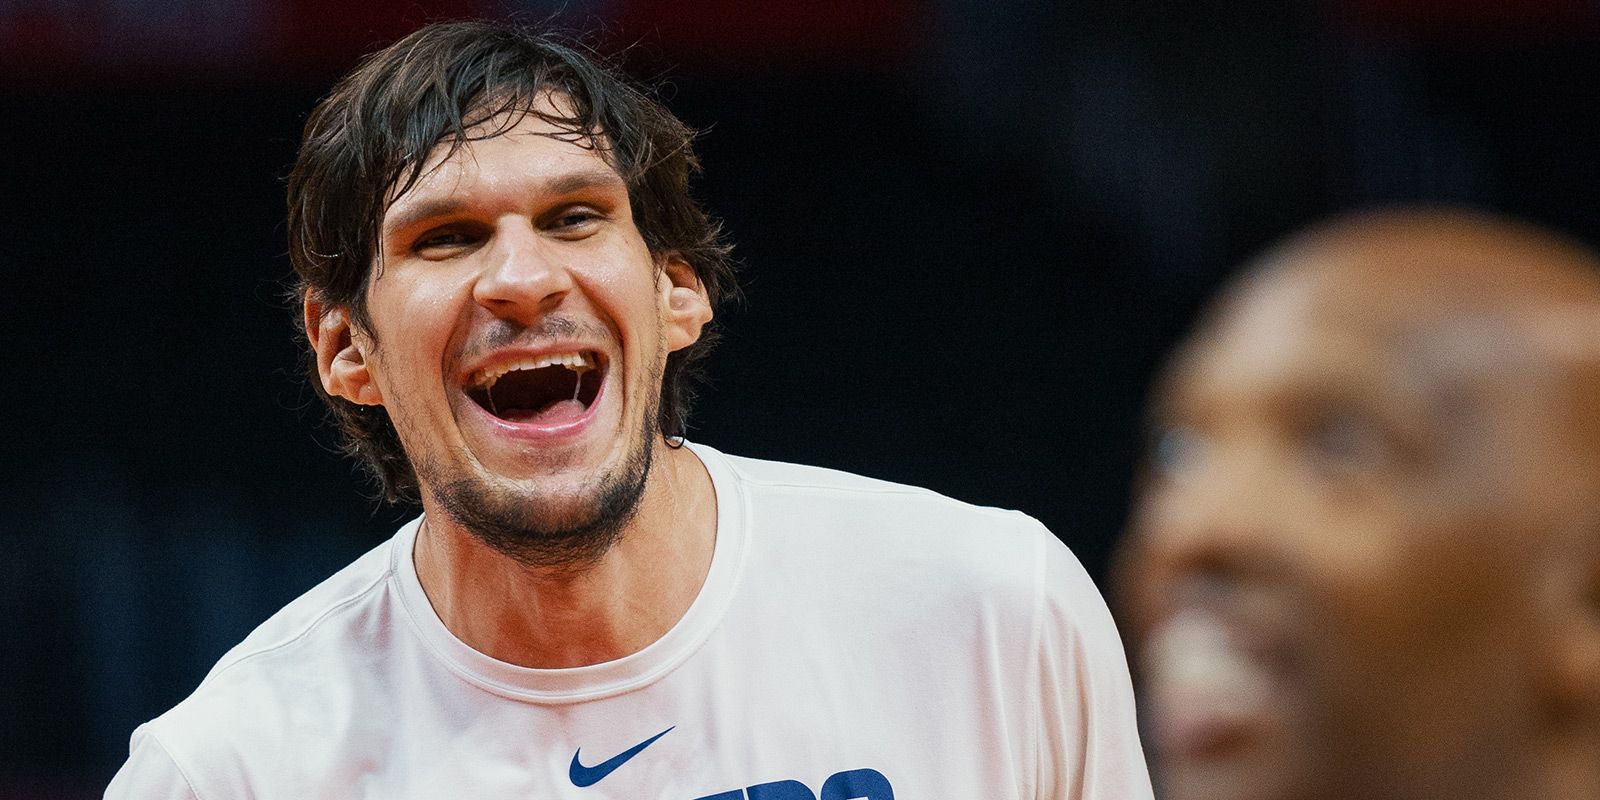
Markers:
561,411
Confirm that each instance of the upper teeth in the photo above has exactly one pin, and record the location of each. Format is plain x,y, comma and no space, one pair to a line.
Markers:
1195,666
577,362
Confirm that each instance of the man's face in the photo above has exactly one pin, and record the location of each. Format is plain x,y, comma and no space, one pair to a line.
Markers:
1329,565
519,328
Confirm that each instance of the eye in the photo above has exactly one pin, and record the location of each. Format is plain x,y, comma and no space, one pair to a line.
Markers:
1347,442
1176,450
444,243
574,221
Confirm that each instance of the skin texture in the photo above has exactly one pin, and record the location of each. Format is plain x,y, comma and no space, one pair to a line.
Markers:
522,243
1376,482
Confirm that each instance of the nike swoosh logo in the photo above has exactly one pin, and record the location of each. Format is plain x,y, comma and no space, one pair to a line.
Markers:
588,776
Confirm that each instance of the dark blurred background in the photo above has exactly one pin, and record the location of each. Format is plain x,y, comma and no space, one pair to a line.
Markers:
969,228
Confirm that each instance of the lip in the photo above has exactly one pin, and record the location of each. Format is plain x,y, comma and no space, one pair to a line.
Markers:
531,430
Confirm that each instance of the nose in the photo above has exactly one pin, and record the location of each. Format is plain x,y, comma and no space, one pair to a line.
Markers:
523,276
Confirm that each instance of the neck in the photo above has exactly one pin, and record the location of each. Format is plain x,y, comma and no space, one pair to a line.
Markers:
569,617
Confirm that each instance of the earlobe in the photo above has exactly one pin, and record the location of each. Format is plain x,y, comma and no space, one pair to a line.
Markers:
341,356
688,305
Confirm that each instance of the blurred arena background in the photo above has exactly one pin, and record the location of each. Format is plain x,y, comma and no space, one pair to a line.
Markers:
969,231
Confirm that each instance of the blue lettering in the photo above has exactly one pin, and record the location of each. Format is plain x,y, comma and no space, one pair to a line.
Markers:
856,784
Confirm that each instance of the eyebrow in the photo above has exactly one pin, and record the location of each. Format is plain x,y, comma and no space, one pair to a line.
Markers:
555,186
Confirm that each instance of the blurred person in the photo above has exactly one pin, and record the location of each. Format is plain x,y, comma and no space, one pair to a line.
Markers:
1365,558
506,288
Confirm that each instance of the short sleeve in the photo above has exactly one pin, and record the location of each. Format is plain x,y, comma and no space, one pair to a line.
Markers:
1088,745
149,773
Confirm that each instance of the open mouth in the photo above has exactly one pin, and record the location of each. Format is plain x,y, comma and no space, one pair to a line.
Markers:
547,389
1206,684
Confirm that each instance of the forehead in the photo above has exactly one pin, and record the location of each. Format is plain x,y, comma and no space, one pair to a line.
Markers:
1293,336
1278,330
528,151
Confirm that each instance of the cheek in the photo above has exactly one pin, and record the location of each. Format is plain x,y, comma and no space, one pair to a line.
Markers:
636,304
414,322
1411,622
1444,577
1422,657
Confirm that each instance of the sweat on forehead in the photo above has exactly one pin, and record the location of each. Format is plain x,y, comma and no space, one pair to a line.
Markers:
452,157
496,117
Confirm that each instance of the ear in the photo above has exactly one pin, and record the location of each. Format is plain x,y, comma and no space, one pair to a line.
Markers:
1576,639
688,307
341,354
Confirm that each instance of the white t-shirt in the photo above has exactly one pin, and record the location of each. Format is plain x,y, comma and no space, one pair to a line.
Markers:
853,639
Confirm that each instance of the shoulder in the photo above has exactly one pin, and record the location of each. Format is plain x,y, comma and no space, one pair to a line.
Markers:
290,673
830,491
894,532
317,618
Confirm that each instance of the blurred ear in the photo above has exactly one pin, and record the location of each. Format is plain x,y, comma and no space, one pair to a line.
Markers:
1576,639
688,306
341,354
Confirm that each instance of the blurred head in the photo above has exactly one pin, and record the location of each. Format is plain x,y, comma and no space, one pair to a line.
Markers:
1365,558
409,108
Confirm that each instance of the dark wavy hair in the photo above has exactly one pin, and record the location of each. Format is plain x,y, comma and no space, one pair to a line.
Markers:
369,140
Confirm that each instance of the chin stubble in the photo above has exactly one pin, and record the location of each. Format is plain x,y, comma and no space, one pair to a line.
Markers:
533,529
535,532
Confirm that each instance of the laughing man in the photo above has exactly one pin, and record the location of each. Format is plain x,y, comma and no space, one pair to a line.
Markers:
506,288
